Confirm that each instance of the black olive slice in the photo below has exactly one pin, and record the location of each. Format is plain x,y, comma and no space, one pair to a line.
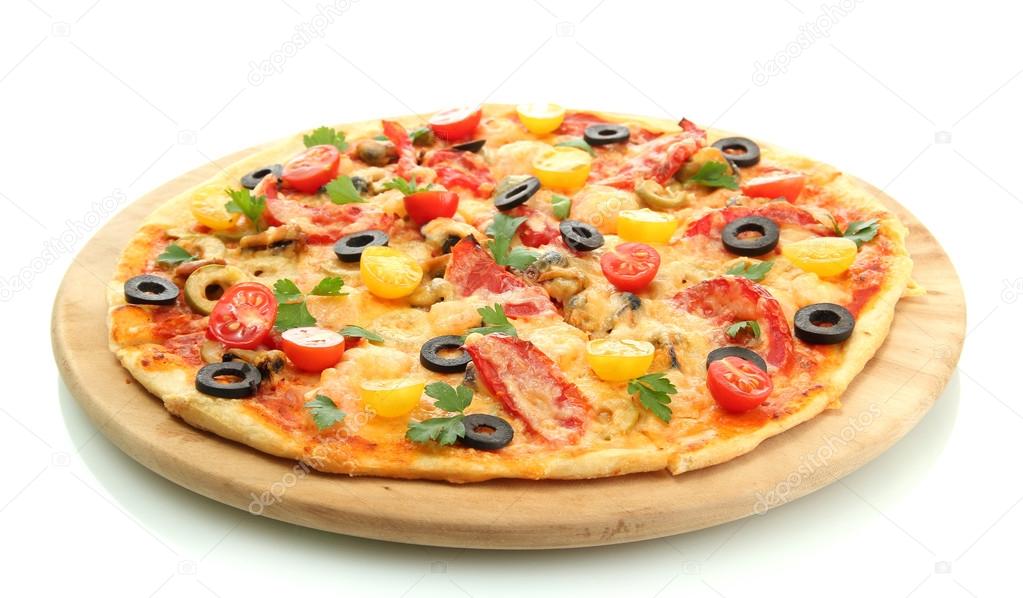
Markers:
740,151
252,179
580,236
486,432
517,195
349,248
765,241
740,352
245,380
147,289
431,358
473,146
823,324
606,134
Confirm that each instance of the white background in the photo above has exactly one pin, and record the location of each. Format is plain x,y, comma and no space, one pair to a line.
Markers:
109,98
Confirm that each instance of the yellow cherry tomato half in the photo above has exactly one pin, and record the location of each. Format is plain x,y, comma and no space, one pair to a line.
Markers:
389,273
541,118
562,168
207,205
646,226
391,398
824,256
618,360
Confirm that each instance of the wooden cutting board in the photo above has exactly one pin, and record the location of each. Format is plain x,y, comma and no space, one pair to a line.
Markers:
892,394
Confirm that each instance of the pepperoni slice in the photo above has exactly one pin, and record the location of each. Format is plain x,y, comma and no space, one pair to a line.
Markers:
779,211
462,169
658,159
732,299
322,221
539,229
530,386
397,135
472,271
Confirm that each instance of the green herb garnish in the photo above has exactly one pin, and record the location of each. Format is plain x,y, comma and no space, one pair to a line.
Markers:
358,331
174,255
342,190
561,206
755,271
443,430
654,392
326,136
502,229
577,144
243,203
494,320
715,174
324,411
736,329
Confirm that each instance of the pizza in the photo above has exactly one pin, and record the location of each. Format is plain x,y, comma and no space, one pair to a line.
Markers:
509,292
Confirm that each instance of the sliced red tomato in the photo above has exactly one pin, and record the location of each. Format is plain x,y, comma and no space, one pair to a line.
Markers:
243,317
730,299
737,385
461,169
322,221
779,211
774,184
658,159
456,123
539,228
472,272
530,386
424,206
630,266
312,169
397,135
311,348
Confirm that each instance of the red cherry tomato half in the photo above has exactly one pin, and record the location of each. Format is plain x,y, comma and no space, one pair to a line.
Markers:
424,206
244,316
630,266
312,348
311,169
737,385
457,123
781,183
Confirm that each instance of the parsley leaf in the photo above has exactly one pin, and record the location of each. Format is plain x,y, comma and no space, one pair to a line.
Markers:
286,291
406,187
416,134
293,315
342,190
449,398
358,331
324,411
326,136
173,255
328,287
861,231
242,202
755,271
561,206
577,144
715,174
736,329
495,321
443,430
502,229
654,390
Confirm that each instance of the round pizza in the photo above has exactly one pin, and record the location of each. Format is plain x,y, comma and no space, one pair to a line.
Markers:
509,292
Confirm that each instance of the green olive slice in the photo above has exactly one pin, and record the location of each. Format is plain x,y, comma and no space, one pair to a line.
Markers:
203,246
654,195
207,284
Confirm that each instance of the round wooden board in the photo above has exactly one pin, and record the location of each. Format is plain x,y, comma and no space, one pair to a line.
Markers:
890,396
